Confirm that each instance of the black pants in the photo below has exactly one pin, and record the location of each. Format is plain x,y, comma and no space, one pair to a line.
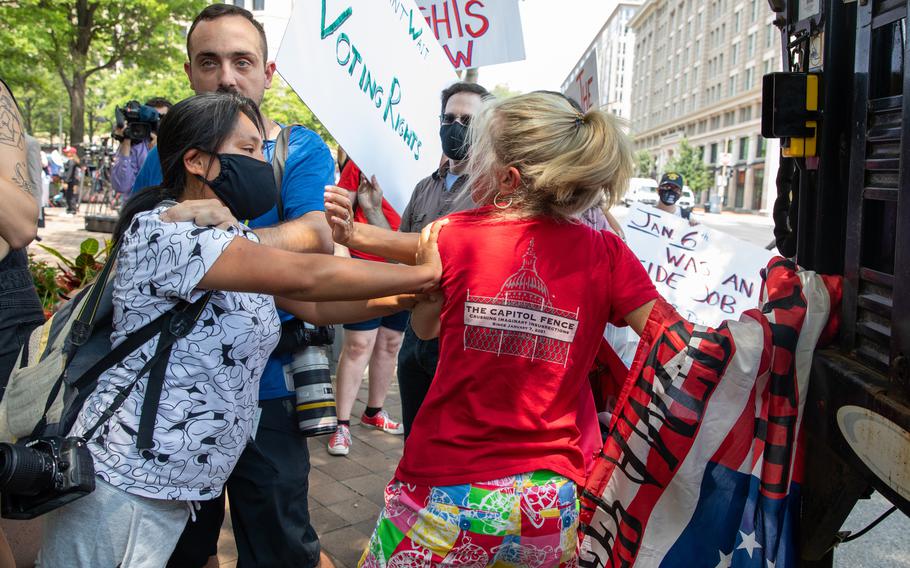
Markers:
268,495
71,194
417,362
20,311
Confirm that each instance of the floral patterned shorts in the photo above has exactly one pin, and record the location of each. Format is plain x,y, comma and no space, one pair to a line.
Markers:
529,519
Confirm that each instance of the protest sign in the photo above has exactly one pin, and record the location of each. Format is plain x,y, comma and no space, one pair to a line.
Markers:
707,275
372,73
583,84
474,33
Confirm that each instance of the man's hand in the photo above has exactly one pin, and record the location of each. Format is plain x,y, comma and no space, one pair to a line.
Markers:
339,214
202,212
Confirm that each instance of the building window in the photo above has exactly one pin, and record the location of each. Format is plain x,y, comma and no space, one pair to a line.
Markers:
744,148
761,146
769,39
734,54
754,10
240,3
731,85
729,118
750,77
745,114
258,4
737,22
751,48
713,151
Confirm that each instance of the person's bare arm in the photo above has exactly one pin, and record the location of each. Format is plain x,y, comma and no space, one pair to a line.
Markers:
308,233
245,266
386,243
18,209
425,318
328,313
638,317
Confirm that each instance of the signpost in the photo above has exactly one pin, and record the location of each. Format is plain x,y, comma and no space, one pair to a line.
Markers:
372,73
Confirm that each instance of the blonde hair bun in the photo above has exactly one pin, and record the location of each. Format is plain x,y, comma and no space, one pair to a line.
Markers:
568,160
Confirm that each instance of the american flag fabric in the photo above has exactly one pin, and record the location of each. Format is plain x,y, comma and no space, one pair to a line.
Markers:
702,465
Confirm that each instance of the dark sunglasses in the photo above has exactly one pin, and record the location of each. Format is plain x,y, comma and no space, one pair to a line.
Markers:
449,118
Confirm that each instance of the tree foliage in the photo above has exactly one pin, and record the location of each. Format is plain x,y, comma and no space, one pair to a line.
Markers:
644,163
502,91
688,161
78,40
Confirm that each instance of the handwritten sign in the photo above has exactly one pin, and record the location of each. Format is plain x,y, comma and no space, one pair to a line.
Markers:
709,276
583,85
372,73
474,33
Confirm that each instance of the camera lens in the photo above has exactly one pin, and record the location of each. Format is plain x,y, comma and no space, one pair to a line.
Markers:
315,395
25,471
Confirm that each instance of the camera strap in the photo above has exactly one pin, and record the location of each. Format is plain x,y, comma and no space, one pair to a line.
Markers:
178,324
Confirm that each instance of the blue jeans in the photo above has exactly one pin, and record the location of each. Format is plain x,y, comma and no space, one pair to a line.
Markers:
20,311
417,362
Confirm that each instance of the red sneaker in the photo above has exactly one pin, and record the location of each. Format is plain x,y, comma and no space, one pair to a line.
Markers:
340,441
382,421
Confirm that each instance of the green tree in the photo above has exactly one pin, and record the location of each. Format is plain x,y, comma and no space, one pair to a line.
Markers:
503,91
688,161
77,39
283,105
644,163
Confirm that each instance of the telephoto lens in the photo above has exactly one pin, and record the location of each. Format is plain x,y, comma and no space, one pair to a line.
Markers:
315,394
26,471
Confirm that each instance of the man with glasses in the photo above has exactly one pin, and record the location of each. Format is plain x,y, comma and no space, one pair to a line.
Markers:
435,196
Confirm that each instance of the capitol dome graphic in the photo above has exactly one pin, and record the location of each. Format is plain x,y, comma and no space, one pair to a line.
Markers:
520,320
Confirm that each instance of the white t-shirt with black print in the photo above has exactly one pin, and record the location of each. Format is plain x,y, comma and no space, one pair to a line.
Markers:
210,394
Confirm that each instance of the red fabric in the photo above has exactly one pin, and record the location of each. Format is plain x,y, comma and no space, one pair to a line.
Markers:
525,305
350,180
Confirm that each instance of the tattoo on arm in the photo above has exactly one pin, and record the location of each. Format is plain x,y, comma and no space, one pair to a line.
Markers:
22,180
11,133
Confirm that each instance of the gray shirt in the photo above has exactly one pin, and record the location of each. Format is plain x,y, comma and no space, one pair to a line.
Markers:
431,200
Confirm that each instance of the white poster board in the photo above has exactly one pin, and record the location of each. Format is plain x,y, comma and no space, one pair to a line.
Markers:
584,85
709,276
474,33
372,73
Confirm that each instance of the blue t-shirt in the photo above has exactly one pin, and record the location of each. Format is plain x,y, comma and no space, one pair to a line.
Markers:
308,169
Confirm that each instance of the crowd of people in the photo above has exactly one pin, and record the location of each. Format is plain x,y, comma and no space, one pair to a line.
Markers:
498,417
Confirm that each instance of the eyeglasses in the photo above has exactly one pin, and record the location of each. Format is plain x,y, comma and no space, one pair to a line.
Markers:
449,118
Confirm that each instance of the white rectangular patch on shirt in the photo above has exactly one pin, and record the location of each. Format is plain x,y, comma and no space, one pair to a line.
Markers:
522,320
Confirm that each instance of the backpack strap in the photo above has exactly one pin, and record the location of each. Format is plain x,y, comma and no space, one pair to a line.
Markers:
81,330
180,321
279,158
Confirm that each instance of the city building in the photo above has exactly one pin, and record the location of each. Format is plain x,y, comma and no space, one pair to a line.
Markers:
697,75
612,48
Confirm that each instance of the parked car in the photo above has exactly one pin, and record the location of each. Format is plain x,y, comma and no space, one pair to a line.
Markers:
687,200
641,190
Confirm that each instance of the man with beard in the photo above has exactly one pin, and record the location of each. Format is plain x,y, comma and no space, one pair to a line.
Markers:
227,52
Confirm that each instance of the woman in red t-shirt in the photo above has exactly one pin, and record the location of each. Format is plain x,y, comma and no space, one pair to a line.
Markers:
490,470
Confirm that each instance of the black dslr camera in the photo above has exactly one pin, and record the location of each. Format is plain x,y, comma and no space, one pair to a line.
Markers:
138,119
43,475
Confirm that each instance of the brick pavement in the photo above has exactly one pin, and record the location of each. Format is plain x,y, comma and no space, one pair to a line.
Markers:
346,493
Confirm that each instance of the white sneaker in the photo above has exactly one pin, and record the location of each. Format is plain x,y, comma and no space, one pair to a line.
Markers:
340,441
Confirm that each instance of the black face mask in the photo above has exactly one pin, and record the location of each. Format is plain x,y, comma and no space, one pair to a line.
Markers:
454,140
668,196
245,185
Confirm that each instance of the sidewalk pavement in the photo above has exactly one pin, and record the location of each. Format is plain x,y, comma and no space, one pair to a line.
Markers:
346,493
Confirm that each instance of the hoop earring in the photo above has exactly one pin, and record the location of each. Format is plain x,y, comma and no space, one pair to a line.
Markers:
501,206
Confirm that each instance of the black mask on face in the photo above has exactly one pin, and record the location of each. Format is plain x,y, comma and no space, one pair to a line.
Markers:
454,140
245,185
668,196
